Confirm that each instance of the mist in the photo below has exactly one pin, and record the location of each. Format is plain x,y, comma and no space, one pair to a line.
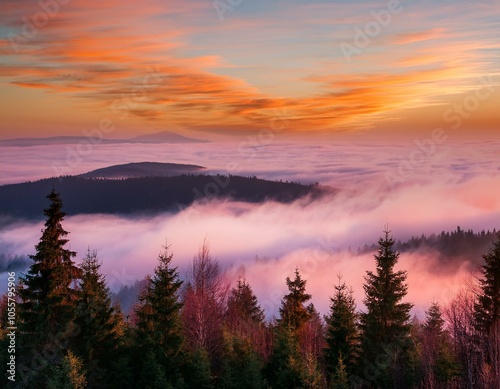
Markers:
265,242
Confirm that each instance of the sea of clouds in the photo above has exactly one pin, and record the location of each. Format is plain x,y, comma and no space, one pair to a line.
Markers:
378,184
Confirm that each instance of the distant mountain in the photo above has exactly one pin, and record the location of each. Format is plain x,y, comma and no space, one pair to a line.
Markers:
143,169
54,140
146,195
165,137
159,137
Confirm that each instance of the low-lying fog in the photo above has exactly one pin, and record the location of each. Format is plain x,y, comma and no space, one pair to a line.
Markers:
413,188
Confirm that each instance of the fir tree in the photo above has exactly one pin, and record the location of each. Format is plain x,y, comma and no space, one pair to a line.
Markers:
293,312
48,298
342,335
487,308
241,365
152,375
487,315
286,367
98,320
439,365
243,306
386,323
340,378
196,371
158,316
68,375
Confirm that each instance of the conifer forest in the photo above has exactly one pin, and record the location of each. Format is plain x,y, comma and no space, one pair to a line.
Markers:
201,331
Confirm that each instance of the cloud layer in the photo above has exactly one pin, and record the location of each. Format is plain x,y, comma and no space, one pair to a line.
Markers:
178,64
266,241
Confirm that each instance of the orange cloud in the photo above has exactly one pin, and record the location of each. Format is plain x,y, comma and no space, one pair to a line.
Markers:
142,61
404,39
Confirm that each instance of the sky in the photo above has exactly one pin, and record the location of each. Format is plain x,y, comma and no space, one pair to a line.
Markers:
225,68
309,91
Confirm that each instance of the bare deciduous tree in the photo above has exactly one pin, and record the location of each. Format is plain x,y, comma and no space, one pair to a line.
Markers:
204,304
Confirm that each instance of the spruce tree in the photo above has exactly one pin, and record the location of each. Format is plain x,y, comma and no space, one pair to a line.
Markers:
243,306
293,363
48,299
241,364
293,312
68,375
244,338
439,364
196,371
340,378
487,308
98,320
487,315
342,335
158,316
386,322
286,367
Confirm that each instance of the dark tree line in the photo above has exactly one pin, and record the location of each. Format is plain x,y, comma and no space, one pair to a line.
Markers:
201,333
144,195
450,247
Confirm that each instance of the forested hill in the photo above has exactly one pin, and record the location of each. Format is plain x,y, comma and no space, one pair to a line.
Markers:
144,169
449,246
144,195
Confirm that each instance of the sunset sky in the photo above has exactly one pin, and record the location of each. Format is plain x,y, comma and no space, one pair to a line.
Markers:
341,76
215,69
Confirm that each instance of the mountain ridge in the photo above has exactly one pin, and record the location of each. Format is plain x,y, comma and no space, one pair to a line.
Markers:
143,169
157,137
144,195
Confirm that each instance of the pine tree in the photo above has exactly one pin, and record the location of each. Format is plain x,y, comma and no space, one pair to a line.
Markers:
243,306
487,315
294,359
48,299
244,321
487,309
386,323
293,312
152,375
286,367
98,320
342,335
340,378
196,371
439,365
68,375
241,365
158,316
